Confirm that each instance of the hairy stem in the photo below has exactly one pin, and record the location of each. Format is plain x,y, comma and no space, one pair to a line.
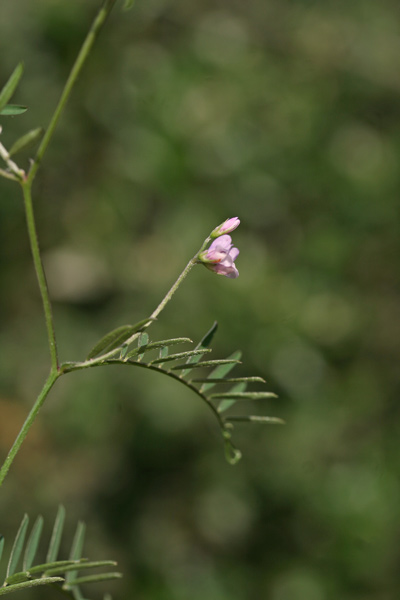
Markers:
178,282
40,274
76,69
50,381
168,295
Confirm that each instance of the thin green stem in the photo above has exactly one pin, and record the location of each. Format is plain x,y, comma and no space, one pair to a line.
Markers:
41,277
173,289
76,69
50,381
168,295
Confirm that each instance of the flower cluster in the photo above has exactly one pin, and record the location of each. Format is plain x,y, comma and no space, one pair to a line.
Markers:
221,255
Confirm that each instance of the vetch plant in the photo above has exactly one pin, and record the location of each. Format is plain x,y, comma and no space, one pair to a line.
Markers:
129,345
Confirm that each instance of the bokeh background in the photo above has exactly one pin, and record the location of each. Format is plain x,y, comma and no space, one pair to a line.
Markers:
285,113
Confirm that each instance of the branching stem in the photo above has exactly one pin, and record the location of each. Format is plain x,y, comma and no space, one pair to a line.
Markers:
50,381
26,182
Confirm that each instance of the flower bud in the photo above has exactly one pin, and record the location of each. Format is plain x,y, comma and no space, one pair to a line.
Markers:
226,227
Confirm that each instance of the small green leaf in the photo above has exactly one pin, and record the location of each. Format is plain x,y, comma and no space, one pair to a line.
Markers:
128,4
142,346
58,564
82,564
12,110
204,343
95,578
11,85
32,544
243,396
26,140
76,550
163,352
17,546
160,344
230,380
207,363
116,338
221,370
17,578
179,355
256,419
143,340
55,540
171,342
32,583
225,404
1,545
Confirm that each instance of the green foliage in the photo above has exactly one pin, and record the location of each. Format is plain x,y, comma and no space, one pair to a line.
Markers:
12,110
285,113
10,87
117,337
26,141
117,343
63,573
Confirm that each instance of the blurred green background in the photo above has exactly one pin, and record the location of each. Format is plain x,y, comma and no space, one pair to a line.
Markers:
285,113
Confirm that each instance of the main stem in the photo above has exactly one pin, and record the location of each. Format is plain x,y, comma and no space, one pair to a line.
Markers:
50,381
26,184
40,274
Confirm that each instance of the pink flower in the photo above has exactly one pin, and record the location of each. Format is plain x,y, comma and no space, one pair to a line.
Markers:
220,257
226,227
